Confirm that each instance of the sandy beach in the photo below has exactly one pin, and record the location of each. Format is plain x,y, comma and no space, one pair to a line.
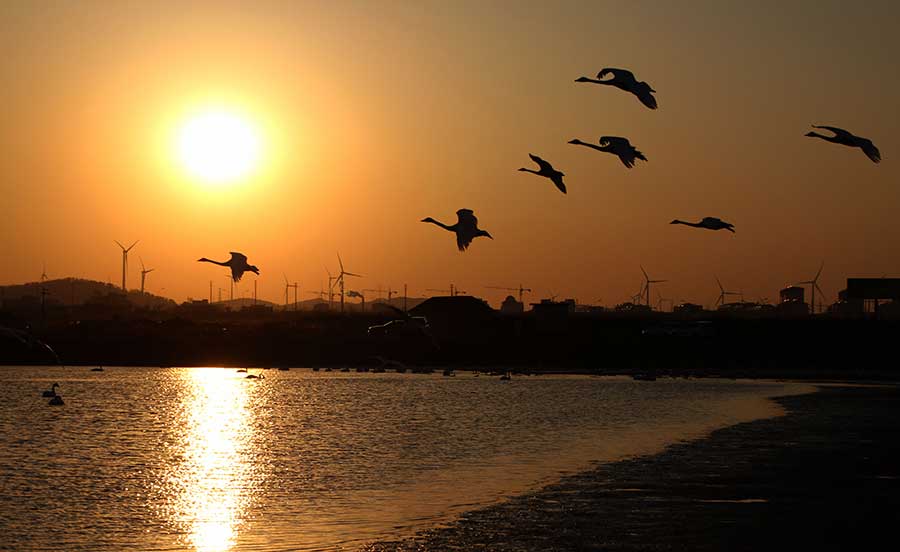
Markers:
826,476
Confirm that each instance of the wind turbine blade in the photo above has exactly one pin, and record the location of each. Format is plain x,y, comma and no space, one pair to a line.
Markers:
351,274
132,245
821,266
119,244
285,278
645,273
142,262
720,285
340,262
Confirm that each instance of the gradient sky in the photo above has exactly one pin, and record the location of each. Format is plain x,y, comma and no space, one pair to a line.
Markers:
377,114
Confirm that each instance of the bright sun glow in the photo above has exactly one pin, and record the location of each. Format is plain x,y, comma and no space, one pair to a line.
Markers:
218,146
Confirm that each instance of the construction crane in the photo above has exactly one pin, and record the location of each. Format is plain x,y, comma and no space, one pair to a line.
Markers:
521,290
453,291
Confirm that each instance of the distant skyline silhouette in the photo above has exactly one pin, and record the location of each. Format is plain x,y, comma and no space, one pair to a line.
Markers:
354,168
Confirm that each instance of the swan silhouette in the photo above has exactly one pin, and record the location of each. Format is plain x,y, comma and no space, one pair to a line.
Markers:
466,228
615,145
50,392
709,223
624,80
237,263
547,171
56,401
845,138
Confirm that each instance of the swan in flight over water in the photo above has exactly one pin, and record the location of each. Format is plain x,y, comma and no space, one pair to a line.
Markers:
615,145
50,392
466,228
547,171
237,263
624,80
845,138
709,223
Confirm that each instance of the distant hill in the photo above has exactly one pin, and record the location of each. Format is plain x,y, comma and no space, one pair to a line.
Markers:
77,291
245,302
351,304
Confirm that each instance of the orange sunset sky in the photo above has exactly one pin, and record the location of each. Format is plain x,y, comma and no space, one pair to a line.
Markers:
370,116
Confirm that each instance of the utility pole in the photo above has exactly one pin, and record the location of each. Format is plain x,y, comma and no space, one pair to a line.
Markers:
404,297
210,292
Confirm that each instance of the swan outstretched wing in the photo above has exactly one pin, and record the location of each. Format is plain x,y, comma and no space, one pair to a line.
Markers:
869,149
557,179
238,258
545,166
617,73
711,221
466,228
616,141
645,94
466,217
839,132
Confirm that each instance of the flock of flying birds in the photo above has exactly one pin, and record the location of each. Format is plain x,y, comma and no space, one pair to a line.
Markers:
466,227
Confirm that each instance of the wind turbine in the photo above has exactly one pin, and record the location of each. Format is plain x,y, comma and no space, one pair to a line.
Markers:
331,280
813,286
647,282
723,293
145,271
125,251
44,272
340,279
660,301
287,286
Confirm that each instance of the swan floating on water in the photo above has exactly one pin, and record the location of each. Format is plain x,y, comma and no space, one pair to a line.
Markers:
50,392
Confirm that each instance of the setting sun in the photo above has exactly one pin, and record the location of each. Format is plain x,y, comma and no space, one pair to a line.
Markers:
218,146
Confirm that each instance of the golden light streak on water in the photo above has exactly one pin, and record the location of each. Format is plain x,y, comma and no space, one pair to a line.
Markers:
215,480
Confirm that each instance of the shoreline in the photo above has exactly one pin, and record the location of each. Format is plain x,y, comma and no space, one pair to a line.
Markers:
825,475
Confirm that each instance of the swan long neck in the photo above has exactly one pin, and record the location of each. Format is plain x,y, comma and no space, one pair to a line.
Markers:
205,260
592,146
441,224
529,170
694,224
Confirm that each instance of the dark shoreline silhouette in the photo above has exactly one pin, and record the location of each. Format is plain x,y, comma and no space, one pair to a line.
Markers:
814,348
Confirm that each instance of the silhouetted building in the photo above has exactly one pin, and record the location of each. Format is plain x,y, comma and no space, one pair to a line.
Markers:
456,316
511,306
632,308
792,301
883,294
553,316
687,308
847,307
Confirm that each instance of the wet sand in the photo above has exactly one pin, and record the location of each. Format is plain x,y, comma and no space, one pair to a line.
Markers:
824,477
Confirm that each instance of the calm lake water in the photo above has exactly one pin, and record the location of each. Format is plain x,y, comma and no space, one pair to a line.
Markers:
204,459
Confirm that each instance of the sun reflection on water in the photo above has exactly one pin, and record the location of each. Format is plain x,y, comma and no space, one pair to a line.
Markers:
215,479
